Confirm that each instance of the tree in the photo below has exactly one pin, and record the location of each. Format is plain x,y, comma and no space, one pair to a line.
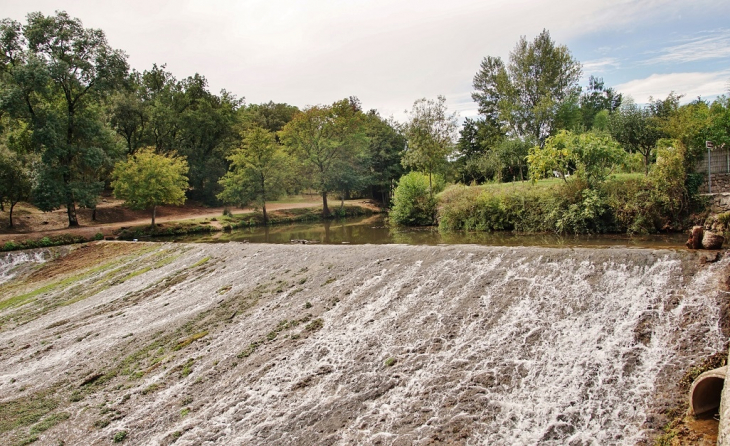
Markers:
431,134
15,180
477,139
385,146
595,99
257,170
526,94
413,200
270,116
633,127
592,155
323,138
56,73
146,180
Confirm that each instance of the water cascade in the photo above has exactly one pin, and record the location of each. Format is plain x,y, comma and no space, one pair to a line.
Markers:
413,344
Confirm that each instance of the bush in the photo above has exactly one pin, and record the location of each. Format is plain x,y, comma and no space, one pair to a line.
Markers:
414,203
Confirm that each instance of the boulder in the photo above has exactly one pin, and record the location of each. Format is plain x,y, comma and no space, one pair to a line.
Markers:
712,240
695,238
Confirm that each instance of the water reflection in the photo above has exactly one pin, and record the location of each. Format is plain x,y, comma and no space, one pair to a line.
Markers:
374,230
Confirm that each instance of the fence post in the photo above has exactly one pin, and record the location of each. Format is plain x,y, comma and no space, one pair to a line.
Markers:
709,171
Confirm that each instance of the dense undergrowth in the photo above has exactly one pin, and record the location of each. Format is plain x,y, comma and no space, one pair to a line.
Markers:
666,199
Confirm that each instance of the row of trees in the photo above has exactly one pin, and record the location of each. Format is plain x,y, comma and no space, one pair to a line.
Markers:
71,110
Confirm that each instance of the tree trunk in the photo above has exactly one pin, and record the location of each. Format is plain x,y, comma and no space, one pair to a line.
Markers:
646,164
73,220
325,209
263,199
154,211
93,214
12,205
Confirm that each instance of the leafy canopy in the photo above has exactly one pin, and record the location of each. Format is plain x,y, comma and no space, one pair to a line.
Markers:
147,180
527,94
431,132
257,172
590,155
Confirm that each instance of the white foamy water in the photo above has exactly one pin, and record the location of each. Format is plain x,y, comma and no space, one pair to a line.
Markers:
11,261
419,345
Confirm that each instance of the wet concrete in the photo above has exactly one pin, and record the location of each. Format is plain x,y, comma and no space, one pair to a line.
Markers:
277,344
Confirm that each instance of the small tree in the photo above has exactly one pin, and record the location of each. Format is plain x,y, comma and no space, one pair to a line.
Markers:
592,155
257,171
431,133
147,180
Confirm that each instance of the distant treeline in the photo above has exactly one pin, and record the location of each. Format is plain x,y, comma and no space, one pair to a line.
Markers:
71,109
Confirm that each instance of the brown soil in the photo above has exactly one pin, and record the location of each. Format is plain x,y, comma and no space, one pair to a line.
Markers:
111,215
700,430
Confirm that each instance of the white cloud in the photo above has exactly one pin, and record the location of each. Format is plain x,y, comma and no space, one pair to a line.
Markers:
715,46
600,65
386,52
691,85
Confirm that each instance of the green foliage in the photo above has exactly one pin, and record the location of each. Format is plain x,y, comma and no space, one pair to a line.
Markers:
431,132
385,144
119,436
65,239
596,103
257,172
326,140
55,79
147,180
15,180
414,200
659,202
635,129
591,156
526,95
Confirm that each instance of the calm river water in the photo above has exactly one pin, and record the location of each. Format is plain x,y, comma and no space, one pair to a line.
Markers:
375,230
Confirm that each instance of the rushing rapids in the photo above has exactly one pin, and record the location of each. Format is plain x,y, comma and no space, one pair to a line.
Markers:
276,344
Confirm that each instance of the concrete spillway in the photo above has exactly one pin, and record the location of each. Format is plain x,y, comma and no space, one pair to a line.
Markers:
272,344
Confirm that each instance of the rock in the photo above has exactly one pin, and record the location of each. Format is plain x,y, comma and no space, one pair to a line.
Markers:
695,238
712,240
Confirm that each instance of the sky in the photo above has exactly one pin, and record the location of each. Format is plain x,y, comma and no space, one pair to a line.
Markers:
390,53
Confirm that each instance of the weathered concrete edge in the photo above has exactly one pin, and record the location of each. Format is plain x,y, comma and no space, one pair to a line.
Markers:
723,430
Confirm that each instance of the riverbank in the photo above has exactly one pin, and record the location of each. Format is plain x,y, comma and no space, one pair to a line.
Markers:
37,229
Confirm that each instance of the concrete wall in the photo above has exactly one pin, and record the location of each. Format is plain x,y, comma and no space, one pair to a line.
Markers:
723,431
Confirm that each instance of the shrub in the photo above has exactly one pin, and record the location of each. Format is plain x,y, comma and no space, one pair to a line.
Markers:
414,202
119,436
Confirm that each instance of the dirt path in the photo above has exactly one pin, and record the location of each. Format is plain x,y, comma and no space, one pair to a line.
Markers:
112,216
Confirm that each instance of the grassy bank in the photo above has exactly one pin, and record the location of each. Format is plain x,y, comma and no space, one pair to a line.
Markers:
632,204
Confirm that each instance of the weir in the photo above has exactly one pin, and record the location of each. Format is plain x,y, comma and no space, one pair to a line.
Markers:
392,344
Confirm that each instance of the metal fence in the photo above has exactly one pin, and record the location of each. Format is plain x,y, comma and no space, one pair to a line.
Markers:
718,161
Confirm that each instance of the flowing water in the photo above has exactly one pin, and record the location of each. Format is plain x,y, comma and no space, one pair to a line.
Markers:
12,262
375,230
414,345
